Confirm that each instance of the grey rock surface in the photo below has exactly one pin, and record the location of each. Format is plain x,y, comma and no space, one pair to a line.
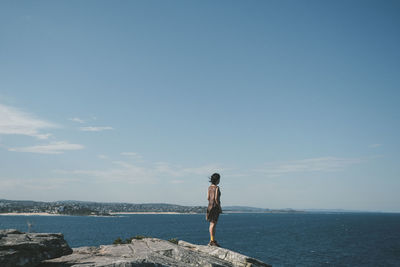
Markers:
153,252
29,249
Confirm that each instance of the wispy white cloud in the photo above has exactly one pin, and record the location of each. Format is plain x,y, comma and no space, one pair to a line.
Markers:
39,184
177,181
77,120
51,148
132,155
374,145
95,128
101,156
179,171
323,164
143,173
15,121
122,172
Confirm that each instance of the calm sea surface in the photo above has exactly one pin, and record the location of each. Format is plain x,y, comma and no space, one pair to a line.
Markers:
312,239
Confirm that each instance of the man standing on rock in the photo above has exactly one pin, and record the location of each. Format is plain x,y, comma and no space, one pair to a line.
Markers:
214,206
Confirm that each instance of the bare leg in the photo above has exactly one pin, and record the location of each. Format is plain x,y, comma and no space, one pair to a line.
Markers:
215,226
212,230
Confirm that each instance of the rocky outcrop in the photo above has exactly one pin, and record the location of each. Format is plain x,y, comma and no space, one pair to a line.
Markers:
153,252
29,249
51,250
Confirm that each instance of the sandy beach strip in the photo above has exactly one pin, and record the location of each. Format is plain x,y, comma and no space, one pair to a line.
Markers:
111,213
29,214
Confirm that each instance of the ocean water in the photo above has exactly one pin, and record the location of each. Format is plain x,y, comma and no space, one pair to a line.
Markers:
309,239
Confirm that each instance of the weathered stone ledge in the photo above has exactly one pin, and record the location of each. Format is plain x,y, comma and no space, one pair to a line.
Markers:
55,252
30,249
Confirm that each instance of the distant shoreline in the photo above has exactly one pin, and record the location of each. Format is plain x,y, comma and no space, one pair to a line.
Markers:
111,213
126,213
29,214
44,214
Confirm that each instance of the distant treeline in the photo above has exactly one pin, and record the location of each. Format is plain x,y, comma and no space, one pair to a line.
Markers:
105,209
91,208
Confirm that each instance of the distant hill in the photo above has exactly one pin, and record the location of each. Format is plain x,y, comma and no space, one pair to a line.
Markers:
74,207
244,208
340,211
256,210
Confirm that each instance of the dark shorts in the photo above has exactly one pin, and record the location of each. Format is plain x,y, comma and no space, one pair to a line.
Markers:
213,214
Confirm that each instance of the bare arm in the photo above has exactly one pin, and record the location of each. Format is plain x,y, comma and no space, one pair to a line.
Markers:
217,200
216,197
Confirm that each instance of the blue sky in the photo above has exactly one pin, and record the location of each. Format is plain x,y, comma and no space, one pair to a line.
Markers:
295,103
